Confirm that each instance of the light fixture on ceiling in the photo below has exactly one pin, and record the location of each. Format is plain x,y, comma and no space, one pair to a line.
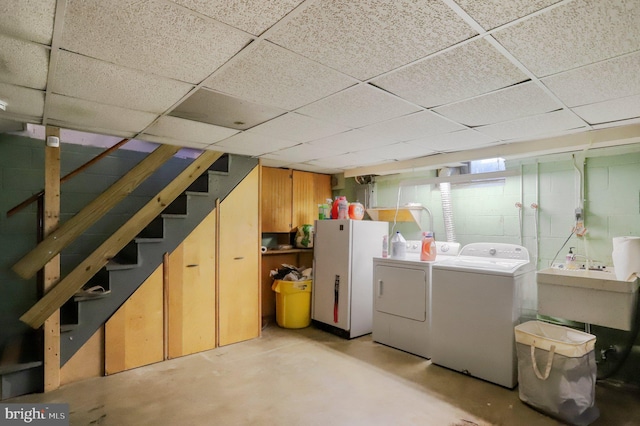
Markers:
3,105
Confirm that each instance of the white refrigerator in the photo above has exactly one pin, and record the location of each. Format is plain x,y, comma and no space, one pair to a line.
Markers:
342,291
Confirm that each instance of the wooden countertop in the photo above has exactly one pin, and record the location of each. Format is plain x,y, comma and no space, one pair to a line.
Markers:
272,252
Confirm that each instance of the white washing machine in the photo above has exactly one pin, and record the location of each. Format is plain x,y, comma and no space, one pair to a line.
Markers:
477,300
401,300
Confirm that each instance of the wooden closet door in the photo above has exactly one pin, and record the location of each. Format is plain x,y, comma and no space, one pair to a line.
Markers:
239,263
134,335
191,293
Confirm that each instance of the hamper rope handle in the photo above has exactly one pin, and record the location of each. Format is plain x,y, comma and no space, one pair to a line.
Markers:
547,370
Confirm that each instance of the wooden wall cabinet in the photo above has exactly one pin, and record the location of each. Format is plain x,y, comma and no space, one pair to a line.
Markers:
290,198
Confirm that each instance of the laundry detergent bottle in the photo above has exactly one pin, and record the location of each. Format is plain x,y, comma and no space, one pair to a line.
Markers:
428,251
398,246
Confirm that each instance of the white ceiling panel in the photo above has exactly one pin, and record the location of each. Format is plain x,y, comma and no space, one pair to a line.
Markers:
352,140
23,63
87,78
574,34
354,159
187,130
456,141
172,141
366,38
150,35
507,104
603,81
317,169
10,125
93,116
298,127
252,16
301,153
613,110
413,126
251,144
30,20
493,13
469,70
22,102
358,107
271,75
398,151
537,125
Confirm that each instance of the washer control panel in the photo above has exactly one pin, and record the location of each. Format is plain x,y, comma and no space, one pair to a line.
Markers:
496,251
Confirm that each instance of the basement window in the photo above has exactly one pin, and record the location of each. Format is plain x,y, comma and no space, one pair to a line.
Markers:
487,165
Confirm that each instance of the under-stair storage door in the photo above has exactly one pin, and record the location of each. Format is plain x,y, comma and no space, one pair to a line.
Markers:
134,334
239,263
191,292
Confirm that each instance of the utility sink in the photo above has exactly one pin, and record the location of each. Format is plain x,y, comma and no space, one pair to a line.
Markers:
593,297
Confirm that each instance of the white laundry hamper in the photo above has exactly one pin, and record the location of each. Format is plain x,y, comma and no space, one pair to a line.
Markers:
557,371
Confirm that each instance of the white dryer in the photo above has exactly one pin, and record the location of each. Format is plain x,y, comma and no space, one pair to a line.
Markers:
402,298
477,300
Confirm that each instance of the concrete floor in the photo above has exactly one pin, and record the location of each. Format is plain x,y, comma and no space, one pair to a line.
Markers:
307,377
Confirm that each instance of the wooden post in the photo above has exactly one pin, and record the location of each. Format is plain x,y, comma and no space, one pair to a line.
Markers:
51,327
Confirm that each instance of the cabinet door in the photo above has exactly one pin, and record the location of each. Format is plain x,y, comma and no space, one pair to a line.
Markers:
134,335
191,293
309,190
239,263
275,199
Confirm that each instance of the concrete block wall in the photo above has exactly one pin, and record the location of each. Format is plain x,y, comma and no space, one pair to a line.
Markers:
22,174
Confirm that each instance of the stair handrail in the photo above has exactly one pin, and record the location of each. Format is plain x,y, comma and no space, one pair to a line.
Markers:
67,287
68,176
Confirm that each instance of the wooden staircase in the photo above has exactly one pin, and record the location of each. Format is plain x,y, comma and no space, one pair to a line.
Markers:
81,316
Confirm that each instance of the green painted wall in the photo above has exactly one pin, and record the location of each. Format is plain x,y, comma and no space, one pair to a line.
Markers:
487,212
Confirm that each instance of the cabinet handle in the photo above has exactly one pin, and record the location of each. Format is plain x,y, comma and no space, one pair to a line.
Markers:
238,258
380,288
193,265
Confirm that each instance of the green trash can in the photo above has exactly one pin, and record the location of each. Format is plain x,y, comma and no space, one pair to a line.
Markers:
293,303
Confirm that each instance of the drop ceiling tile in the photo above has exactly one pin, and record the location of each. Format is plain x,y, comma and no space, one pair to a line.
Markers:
150,35
455,141
223,110
534,126
613,110
297,127
252,16
366,38
468,70
22,102
493,13
413,126
82,77
345,161
271,75
300,153
358,106
603,81
315,169
10,125
352,140
251,144
84,115
398,151
187,130
173,141
30,20
577,33
507,104
23,63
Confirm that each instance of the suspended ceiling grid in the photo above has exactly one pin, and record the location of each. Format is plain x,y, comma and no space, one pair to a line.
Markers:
322,85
